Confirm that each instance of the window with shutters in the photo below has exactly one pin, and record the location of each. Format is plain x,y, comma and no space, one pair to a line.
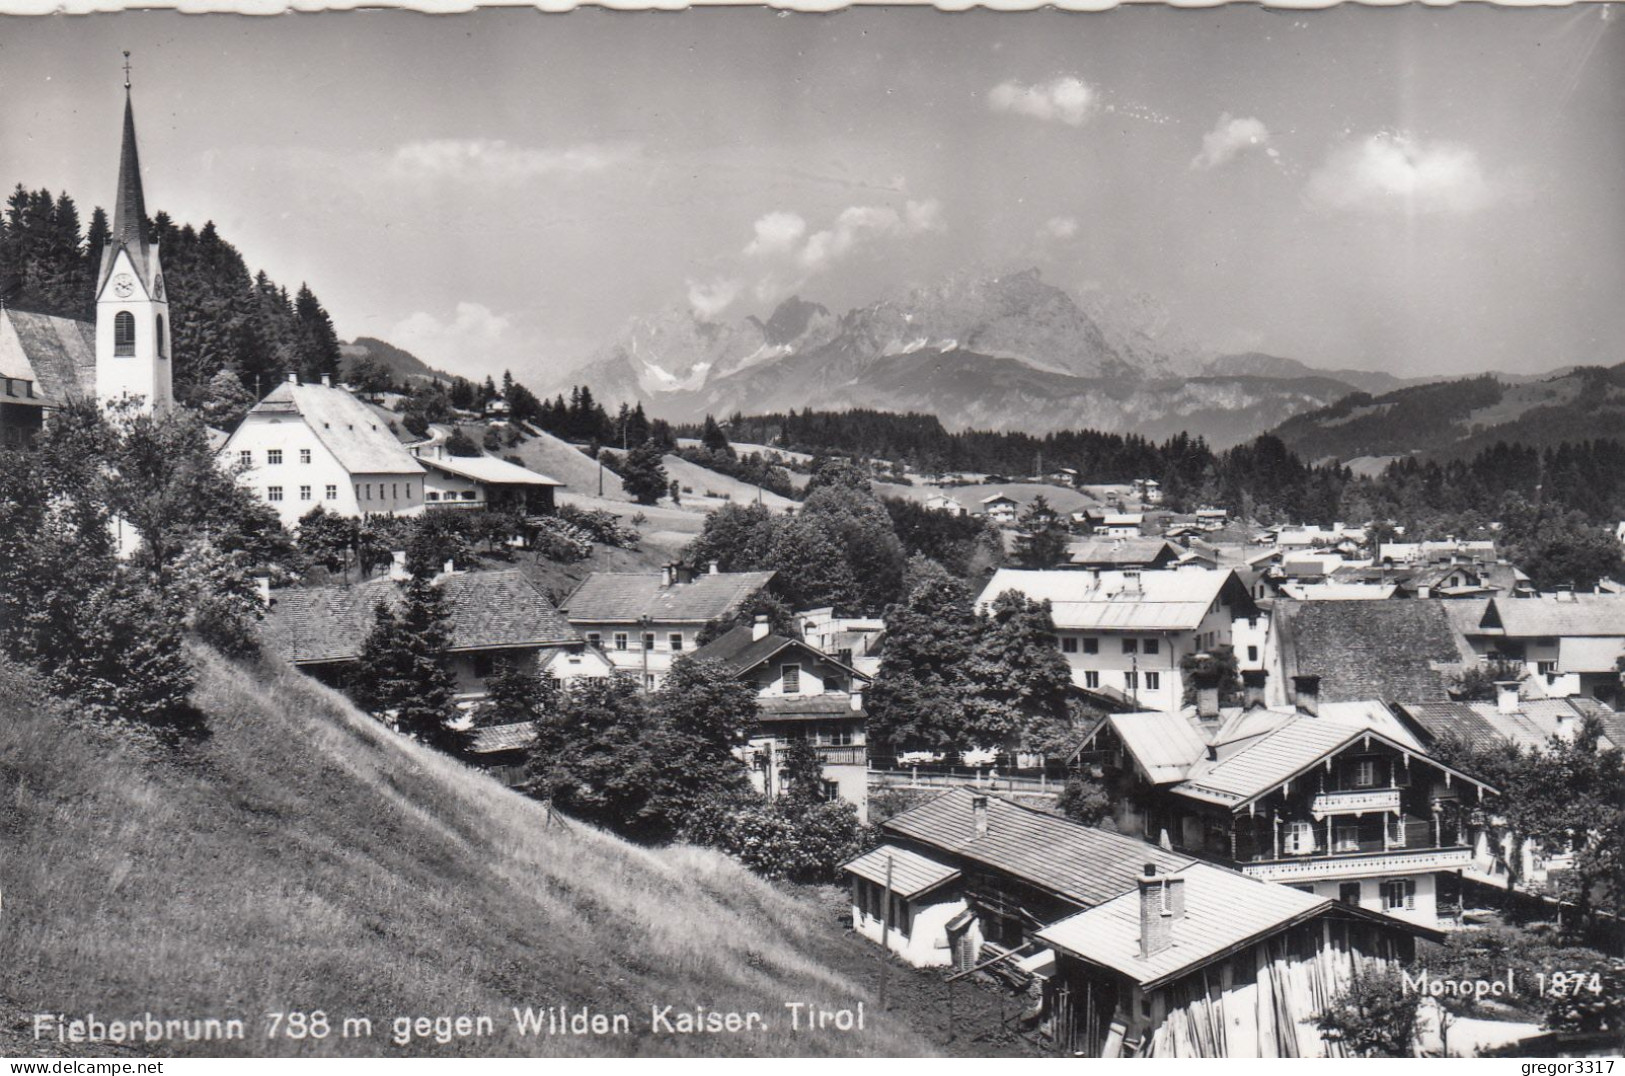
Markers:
1346,836
1399,895
124,333
1153,681
791,675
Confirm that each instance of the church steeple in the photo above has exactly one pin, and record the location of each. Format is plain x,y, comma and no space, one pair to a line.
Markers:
132,309
130,209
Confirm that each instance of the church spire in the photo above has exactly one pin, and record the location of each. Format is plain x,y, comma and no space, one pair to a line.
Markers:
130,210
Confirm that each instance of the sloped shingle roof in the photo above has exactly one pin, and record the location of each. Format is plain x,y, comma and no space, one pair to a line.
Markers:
489,611
358,438
833,706
1119,601
911,872
490,470
1084,865
617,597
57,354
1371,650
1224,909
494,738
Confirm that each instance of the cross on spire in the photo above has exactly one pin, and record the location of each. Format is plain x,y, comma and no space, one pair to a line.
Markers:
126,69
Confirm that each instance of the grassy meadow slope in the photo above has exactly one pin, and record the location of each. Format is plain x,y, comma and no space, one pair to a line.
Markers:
303,857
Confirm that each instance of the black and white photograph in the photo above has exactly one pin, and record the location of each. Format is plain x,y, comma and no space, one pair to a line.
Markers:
742,532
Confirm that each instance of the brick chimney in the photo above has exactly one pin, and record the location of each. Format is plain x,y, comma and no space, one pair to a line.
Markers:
978,813
1306,693
759,628
1252,685
1506,697
1156,921
1207,699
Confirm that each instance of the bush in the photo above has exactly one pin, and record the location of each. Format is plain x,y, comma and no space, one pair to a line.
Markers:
782,839
1374,1017
561,541
602,527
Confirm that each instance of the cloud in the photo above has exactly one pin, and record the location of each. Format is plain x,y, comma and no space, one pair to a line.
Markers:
1397,171
1231,136
776,233
493,160
1067,100
465,341
711,298
1060,227
857,225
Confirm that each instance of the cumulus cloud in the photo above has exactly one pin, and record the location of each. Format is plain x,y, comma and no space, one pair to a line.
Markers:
710,298
472,333
1067,99
1231,136
1060,227
861,224
776,233
1397,171
493,160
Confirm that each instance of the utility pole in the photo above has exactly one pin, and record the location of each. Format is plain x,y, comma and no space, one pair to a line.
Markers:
885,935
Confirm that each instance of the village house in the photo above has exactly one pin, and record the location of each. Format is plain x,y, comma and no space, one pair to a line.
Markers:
1124,632
1338,799
969,879
1120,525
804,694
1212,519
1000,508
495,618
941,502
1565,643
47,361
1148,490
305,445
1206,962
485,482
646,621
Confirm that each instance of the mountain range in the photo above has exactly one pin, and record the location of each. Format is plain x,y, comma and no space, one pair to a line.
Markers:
1001,352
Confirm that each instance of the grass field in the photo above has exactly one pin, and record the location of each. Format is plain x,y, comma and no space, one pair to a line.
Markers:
305,858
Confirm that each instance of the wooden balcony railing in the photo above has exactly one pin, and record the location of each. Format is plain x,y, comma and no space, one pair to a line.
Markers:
1355,801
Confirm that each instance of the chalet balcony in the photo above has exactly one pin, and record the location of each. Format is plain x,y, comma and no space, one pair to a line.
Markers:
844,755
1393,861
1355,801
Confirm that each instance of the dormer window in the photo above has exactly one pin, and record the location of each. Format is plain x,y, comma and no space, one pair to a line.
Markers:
124,333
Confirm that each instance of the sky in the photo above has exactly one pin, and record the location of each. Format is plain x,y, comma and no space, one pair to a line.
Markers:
1417,190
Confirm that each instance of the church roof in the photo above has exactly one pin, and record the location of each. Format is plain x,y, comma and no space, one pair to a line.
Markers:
129,230
346,427
57,354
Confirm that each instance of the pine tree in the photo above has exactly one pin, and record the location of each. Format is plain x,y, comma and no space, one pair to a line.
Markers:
713,439
402,671
643,473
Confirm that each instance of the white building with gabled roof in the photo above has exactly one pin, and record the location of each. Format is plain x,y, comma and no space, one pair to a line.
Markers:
308,445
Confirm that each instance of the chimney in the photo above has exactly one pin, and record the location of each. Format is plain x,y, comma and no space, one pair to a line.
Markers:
978,813
1568,726
449,567
711,569
293,379
759,629
1207,698
1306,693
1252,683
1174,893
397,566
1506,696
682,573
262,587
666,575
1156,921
327,381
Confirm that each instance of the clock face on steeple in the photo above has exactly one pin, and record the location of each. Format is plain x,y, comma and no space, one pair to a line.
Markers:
123,285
